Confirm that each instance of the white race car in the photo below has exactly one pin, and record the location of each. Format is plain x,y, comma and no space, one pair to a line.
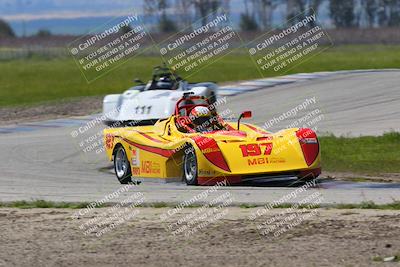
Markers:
144,104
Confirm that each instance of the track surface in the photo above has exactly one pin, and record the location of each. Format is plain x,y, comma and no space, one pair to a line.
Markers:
48,163
351,104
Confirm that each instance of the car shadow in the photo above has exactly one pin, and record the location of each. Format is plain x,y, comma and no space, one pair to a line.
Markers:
285,183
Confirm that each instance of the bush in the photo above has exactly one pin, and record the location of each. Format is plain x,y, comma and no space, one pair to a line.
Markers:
43,33
248,23
5,29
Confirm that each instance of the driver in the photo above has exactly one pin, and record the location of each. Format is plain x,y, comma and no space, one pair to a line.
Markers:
165,83
203,120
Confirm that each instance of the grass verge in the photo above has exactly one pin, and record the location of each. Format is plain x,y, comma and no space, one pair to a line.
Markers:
36,80
365,155
43,204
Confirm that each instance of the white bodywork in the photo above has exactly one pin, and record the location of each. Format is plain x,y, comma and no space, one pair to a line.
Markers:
137,104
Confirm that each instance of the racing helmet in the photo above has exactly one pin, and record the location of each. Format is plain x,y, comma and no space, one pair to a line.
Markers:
164,83
200,115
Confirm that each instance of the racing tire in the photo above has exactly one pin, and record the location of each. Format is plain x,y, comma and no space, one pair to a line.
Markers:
190,166
122,166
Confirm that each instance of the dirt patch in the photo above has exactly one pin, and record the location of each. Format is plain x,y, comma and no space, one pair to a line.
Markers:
52,110
48,237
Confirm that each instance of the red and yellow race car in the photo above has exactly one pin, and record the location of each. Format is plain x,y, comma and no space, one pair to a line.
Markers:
199,147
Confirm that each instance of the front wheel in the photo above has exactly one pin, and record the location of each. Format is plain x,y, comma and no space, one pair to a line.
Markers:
121,166
190,166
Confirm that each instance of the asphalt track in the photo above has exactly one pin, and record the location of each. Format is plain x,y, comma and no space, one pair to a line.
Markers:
49,164
350,103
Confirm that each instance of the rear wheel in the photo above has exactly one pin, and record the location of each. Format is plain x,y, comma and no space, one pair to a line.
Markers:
190,166
121,166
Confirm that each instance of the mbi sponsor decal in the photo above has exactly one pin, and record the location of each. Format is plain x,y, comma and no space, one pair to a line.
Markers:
262,161
257,161
150,167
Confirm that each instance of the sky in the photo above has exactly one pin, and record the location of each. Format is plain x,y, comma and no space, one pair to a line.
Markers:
12,10
26,17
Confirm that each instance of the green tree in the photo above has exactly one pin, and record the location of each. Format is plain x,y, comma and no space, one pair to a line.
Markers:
342,12
382,13
314,6
5,29
157,9
294,8
370,7
394,19
204,7
248,23
265,10
125,29
166,25
388,13
43,33
184,8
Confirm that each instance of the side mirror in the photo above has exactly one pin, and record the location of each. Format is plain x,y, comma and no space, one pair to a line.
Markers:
246,115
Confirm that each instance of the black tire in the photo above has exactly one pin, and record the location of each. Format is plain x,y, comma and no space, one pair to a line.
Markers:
122,167
190,166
